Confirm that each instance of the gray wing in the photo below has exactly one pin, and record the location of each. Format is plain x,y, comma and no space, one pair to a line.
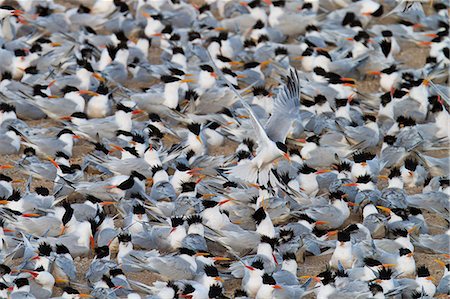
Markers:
106,236
171,267
195,242
67,266
444,285
286,109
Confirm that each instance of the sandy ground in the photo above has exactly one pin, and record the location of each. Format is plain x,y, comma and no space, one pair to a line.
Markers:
411,55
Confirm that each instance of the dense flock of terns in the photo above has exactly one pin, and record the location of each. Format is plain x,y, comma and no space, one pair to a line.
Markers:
217,146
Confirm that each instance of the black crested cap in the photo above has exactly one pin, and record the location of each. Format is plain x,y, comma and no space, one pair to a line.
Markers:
169,79
343,166
211,271
351,228
102,251
20,282
289,256
423,271
395,172
64,131
338,194
182,167
4,269
240,293
44,249
215,291
364,179
375,288
271,241
187,251
400,232
250,65
406,121
378,12
306,218
5,178
305,169
281,51
258,264
268,279
115,272
389,139
363,157
70,290
260,90
188,288
29,151
411,164
194,128
343,236
281,146
207,68
194,219
187,187
124,238
176,221
137,175
122,107
138,209
259,215
154,117
127,184
209,203
62,249
327,276
404,251
42,191
370,262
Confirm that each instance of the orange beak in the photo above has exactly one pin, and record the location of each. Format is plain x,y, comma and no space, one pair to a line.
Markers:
137,111
332,233
76,137
30,215
321,222
65,118
320,171
225,201
107,203
6,166
286,156
375,73
425,43
214,75
277,287
432,35
89,92
350,185
221,258
53,162
384,209
92,241
98,77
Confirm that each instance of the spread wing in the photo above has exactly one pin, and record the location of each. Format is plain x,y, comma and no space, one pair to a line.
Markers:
285,110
